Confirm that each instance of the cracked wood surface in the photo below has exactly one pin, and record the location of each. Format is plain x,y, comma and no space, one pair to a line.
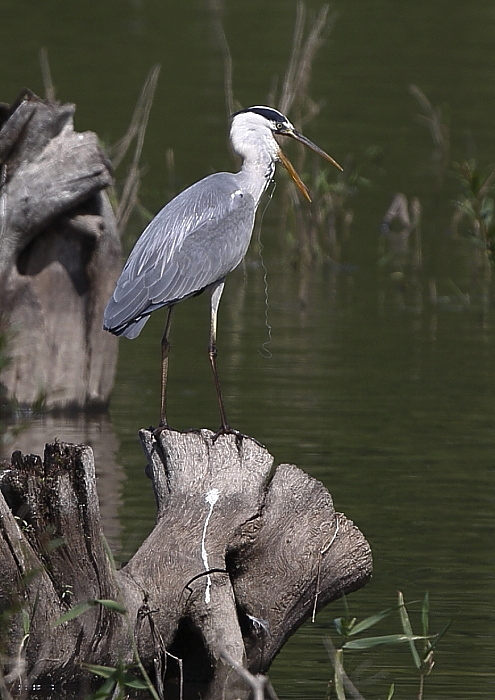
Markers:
240,556
59,258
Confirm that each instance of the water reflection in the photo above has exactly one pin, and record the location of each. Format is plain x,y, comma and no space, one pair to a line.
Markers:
391,409
30,436
382,389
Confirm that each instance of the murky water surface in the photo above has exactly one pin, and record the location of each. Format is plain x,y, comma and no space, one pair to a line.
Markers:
374,385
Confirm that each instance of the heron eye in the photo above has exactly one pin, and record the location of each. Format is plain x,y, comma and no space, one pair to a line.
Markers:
280,126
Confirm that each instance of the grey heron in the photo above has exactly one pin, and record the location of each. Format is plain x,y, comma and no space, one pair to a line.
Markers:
201,235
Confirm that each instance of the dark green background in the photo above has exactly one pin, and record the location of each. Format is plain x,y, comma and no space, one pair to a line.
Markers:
391,407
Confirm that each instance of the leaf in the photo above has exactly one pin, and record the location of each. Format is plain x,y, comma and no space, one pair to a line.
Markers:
111,605
77,610
108,552
391,692
439,636
103,671
118,675
338,625
81,608
487,208
133,682
370,621
406,626
425,609
370,642
105,691
346,607
339,675
26,622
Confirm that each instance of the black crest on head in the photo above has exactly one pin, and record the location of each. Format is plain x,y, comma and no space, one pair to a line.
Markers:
273,115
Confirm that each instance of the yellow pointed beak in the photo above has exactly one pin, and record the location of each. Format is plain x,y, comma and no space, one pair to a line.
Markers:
302,139
288,165
292,172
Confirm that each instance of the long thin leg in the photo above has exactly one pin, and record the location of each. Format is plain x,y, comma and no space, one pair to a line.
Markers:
165,353
212,350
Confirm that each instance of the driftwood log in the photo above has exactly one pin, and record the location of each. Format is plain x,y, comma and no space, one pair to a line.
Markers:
59,258
240,556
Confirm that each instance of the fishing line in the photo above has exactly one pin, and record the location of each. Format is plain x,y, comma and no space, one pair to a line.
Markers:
264,351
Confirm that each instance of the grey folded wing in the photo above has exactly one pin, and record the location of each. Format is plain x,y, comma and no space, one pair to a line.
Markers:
193,242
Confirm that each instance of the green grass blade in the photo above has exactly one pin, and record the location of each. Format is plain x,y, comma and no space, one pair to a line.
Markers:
371,621
77,610
26,621
81,608
108,552
391,692
346,607
103,671
337,622
371,642
131,681
106,691
111,605
439,636
338,675
406,626
425,609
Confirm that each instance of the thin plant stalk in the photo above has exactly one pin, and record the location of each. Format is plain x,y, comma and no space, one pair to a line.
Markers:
137,131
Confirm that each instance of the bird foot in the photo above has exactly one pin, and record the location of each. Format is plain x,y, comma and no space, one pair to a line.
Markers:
225,429
161,427
239,437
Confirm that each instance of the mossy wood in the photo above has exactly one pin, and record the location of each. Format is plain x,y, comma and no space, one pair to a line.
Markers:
240,556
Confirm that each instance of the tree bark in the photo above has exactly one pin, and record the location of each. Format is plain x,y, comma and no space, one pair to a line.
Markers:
59,258
239,558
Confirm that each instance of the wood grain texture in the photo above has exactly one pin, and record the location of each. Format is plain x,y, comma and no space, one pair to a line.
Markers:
59,258
240,556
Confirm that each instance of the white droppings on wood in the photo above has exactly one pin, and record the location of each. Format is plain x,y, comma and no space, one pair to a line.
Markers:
211,498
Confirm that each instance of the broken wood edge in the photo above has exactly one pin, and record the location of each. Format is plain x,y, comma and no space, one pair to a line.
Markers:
255,578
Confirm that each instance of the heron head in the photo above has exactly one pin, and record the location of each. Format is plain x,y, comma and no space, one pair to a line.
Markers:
278,124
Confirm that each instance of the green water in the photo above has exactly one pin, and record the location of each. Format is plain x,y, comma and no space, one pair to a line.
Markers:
390,403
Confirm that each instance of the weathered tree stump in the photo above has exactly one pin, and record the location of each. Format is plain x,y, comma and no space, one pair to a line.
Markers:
59,258
239,558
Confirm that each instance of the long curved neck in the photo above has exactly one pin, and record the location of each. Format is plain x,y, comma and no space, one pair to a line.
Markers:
259,151
256,175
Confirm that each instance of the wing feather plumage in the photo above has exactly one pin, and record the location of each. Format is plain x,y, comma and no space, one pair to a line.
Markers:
193,242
